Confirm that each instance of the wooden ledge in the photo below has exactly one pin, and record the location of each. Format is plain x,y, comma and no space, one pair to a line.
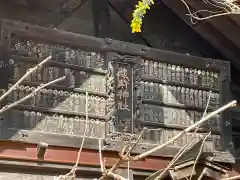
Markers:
28,152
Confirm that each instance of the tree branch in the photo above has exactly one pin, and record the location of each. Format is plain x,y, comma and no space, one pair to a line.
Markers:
210,115
199,154
123,158
233,9
5,108
205,111
177,156
72,173
28,73
232,178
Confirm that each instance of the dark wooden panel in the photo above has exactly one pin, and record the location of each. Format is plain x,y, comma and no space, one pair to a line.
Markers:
60,109
226,122
130,86
29,13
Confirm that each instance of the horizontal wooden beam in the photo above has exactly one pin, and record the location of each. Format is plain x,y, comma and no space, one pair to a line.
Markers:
15,155
28,152
57,168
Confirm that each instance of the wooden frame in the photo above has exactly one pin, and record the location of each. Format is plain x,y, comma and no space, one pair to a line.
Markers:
117,54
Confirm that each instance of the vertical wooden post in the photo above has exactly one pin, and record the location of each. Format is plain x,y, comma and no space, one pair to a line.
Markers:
4,56
225,96
101,17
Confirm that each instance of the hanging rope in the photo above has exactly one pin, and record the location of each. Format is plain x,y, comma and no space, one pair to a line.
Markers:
72,174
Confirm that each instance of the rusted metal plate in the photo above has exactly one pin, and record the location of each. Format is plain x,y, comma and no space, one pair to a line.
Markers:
129,85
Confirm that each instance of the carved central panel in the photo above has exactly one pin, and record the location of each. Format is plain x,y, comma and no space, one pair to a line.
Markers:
122,87
124,96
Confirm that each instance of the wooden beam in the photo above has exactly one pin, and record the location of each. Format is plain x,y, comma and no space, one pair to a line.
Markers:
67,9
54,154
46,167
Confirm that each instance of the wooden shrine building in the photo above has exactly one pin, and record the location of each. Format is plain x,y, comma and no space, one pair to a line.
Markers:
159,79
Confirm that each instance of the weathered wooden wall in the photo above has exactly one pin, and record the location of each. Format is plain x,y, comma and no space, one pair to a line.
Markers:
162,28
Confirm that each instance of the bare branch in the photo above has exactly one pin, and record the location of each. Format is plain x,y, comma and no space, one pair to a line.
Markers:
85,129
126,156
225,7
232,178
177,156
100,156
212,16
210,115
28,73
5,108
115,176
72,173
184,148
199,154
202,174
123,158
136,142
205,111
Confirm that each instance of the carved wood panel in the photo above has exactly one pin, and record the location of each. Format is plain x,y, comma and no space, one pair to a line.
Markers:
130,87
59,109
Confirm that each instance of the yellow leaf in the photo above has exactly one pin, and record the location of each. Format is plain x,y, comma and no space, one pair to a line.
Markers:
138,14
